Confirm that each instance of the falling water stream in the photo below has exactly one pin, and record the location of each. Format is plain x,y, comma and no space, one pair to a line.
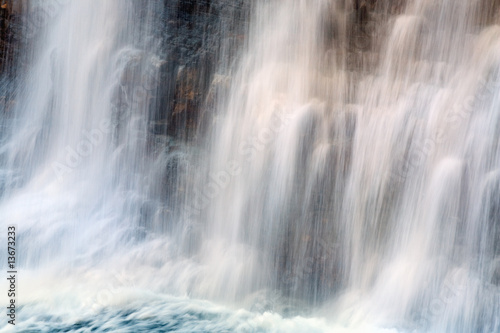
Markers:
349,179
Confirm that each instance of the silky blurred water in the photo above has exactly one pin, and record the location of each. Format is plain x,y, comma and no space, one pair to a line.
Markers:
348,180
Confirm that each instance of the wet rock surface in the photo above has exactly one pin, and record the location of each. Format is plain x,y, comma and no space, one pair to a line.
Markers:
199,36
10,18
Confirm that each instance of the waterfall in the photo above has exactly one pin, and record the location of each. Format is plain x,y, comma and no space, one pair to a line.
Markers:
344,176
75,162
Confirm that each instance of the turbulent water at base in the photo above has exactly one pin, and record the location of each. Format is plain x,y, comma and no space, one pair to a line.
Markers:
349,180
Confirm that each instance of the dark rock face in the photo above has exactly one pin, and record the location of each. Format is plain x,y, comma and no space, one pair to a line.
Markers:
11,16
355,30
199,36
4,33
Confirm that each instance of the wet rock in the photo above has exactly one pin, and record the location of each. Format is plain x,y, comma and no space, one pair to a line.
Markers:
199,35
489,12
15,7
141,84
191,7
11,57
5,40
362,14
220,85
186,104
390,7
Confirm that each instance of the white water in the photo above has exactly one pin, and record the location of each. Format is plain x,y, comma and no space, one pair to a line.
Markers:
340,187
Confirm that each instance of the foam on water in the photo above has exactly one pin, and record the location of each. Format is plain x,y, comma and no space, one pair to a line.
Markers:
339,187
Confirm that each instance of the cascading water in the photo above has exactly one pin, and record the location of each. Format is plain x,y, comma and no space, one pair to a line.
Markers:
68,126
348,180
